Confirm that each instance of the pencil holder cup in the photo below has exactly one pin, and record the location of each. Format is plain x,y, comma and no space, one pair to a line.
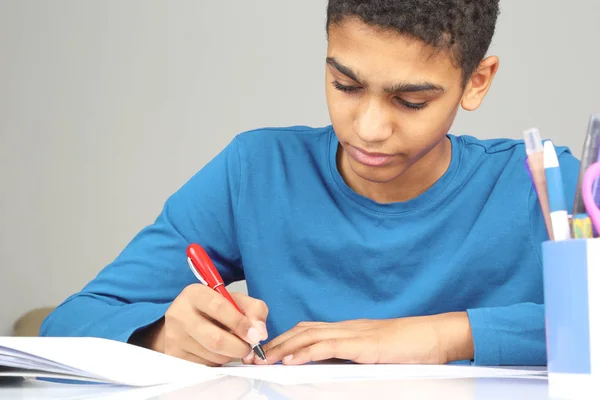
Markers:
571,271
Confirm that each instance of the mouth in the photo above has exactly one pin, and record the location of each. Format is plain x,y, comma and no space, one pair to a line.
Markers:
367,158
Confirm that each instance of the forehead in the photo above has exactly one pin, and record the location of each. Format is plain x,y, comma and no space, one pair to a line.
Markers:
379,55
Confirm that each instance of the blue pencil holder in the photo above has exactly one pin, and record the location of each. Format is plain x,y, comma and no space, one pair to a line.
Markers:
572,316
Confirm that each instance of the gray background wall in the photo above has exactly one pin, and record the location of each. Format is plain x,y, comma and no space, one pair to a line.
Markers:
107,107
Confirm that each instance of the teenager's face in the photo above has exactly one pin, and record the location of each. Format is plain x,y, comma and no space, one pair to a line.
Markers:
391,99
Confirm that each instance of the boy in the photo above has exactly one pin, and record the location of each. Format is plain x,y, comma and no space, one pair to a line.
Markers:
379,239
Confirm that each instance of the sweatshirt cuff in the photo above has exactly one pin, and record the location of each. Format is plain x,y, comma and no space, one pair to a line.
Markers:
138,316
485,340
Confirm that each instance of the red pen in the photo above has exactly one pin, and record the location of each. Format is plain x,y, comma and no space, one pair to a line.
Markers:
206,272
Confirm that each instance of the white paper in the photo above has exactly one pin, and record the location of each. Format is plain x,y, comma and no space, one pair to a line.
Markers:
101,359
320,373
13,359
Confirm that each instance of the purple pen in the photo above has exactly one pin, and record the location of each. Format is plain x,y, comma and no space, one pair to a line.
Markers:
591,149
529,174
595,191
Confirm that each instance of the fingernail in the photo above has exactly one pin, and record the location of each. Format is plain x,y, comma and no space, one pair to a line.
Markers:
288,358
248,358
262,328
253,335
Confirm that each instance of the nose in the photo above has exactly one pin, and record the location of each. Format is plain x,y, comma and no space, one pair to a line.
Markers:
372,124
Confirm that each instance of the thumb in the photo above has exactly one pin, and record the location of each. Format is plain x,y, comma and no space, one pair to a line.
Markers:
256,310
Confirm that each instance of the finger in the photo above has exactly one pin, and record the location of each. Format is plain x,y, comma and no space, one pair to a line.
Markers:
343,348
256,310
277,341
217,340
200,360
184,344
192,346
302,326
215,360
306,338
214,306
249,359
251,307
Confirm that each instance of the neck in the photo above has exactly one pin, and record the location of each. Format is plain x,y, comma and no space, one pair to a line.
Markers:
414,181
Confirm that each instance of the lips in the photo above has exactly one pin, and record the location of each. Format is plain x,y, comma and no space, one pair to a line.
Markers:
367,158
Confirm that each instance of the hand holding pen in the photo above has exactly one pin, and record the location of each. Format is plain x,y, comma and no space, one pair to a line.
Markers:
205,326
206,272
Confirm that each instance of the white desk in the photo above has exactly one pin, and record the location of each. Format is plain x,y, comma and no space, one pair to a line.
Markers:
247,389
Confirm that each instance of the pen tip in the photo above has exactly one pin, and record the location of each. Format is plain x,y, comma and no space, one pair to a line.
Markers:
258,350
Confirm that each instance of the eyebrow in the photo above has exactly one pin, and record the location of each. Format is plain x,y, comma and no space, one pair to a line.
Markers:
403,87
414,87
343,69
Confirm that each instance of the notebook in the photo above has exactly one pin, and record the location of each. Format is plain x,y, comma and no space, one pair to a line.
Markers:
95,360
106,361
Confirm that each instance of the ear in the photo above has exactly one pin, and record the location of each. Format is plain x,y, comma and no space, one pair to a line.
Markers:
479,83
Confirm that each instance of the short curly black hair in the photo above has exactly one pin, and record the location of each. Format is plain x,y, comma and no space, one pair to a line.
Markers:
465,27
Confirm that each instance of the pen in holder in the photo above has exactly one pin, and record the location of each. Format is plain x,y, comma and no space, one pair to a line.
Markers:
571,271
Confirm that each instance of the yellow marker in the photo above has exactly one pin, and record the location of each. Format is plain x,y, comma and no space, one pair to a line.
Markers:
582,227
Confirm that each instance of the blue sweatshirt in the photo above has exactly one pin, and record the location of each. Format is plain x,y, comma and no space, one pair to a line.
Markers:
272,208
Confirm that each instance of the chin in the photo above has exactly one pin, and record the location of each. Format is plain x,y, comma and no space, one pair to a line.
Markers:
377,174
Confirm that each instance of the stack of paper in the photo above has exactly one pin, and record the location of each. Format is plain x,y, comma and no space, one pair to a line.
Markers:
95,359
321,373
102,360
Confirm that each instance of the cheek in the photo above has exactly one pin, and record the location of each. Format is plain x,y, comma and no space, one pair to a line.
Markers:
444,121
430,124
341,108
438,115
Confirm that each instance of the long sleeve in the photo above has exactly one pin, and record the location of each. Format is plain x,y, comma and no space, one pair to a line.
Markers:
136,289
516,335
512,335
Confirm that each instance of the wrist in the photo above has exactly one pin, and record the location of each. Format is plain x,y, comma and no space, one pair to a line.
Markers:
150,337
455,338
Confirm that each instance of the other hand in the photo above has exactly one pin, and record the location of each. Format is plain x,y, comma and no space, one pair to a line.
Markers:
434,339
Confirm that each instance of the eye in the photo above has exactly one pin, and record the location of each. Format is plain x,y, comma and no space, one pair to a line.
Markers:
344,88
412,106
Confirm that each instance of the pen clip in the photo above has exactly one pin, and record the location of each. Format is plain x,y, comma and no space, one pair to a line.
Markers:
204,266
195,271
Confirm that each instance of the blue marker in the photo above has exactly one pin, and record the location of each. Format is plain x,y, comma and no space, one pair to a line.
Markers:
556,194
